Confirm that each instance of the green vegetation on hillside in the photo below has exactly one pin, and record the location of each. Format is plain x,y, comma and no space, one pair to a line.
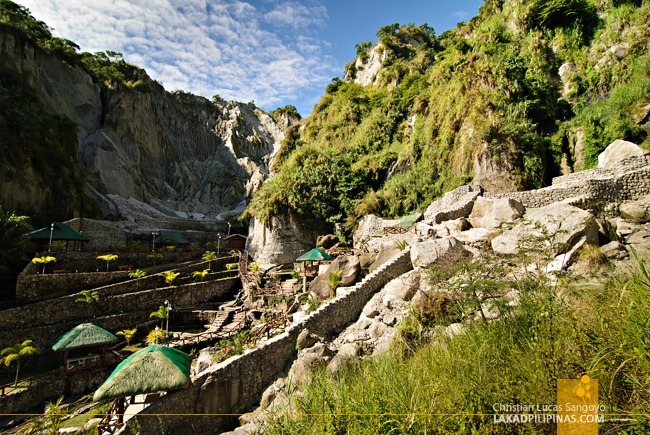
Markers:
450,384
38,148
491,86
106,68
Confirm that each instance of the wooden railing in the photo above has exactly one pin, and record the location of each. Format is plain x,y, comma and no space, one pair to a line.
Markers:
21,385
114,418
250,284
226,332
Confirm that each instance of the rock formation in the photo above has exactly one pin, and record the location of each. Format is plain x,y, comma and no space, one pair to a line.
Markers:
148,155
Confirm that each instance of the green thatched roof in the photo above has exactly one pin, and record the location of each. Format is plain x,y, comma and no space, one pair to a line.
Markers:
155,368
409,220
315,254
61,232
84,335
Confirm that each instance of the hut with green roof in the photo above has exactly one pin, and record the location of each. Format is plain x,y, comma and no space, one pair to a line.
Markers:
57,231
83,343
310,261
149,370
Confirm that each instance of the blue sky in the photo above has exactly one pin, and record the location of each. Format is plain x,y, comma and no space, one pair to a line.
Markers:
274,52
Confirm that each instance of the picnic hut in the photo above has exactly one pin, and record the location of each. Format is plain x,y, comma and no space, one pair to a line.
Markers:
405,224
57,231
149,370
310,261
83,345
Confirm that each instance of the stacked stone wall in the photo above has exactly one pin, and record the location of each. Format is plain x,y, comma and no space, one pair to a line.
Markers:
72,383
44,321
235,385
627,181
33,287
100,234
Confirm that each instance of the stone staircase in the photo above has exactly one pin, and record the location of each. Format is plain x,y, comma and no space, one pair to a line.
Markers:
288,286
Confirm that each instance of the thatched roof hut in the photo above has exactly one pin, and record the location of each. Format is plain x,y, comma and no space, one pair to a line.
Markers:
80,340
152,369
83,335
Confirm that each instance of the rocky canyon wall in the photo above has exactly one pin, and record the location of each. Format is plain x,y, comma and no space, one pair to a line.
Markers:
145,156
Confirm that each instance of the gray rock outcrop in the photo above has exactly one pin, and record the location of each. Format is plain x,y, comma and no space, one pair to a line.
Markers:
428,252
455,204
637,212
558,226
617,151
281,240
150,157
490,213
387,251
347,265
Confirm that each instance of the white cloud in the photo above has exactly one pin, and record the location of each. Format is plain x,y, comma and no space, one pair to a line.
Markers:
227,47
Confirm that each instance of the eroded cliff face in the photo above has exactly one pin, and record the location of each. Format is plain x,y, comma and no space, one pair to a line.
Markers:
150,156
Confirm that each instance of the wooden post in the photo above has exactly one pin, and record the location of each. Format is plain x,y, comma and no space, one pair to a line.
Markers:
121,407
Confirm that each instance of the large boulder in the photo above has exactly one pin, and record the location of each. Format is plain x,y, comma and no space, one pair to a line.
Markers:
308,362
557,227
455,204
327,241
348,352
350,269
490,213
637,212
617,151
450,228
370,227
424,254
281,240
387,251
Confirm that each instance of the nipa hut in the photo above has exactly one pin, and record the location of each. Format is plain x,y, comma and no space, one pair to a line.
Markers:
83,344
150,370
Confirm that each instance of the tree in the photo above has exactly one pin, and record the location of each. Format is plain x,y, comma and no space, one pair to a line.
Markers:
48,423
160,314
209,256
334,281
16,353
200,275
107,258
128,334
44,260
155,335
88,297
170,276
137,274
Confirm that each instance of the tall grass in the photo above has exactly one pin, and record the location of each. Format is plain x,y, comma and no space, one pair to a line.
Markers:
450,384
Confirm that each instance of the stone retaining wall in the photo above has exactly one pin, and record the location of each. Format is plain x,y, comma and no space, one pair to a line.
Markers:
33,398
236,385
32,287
44,321
625,182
